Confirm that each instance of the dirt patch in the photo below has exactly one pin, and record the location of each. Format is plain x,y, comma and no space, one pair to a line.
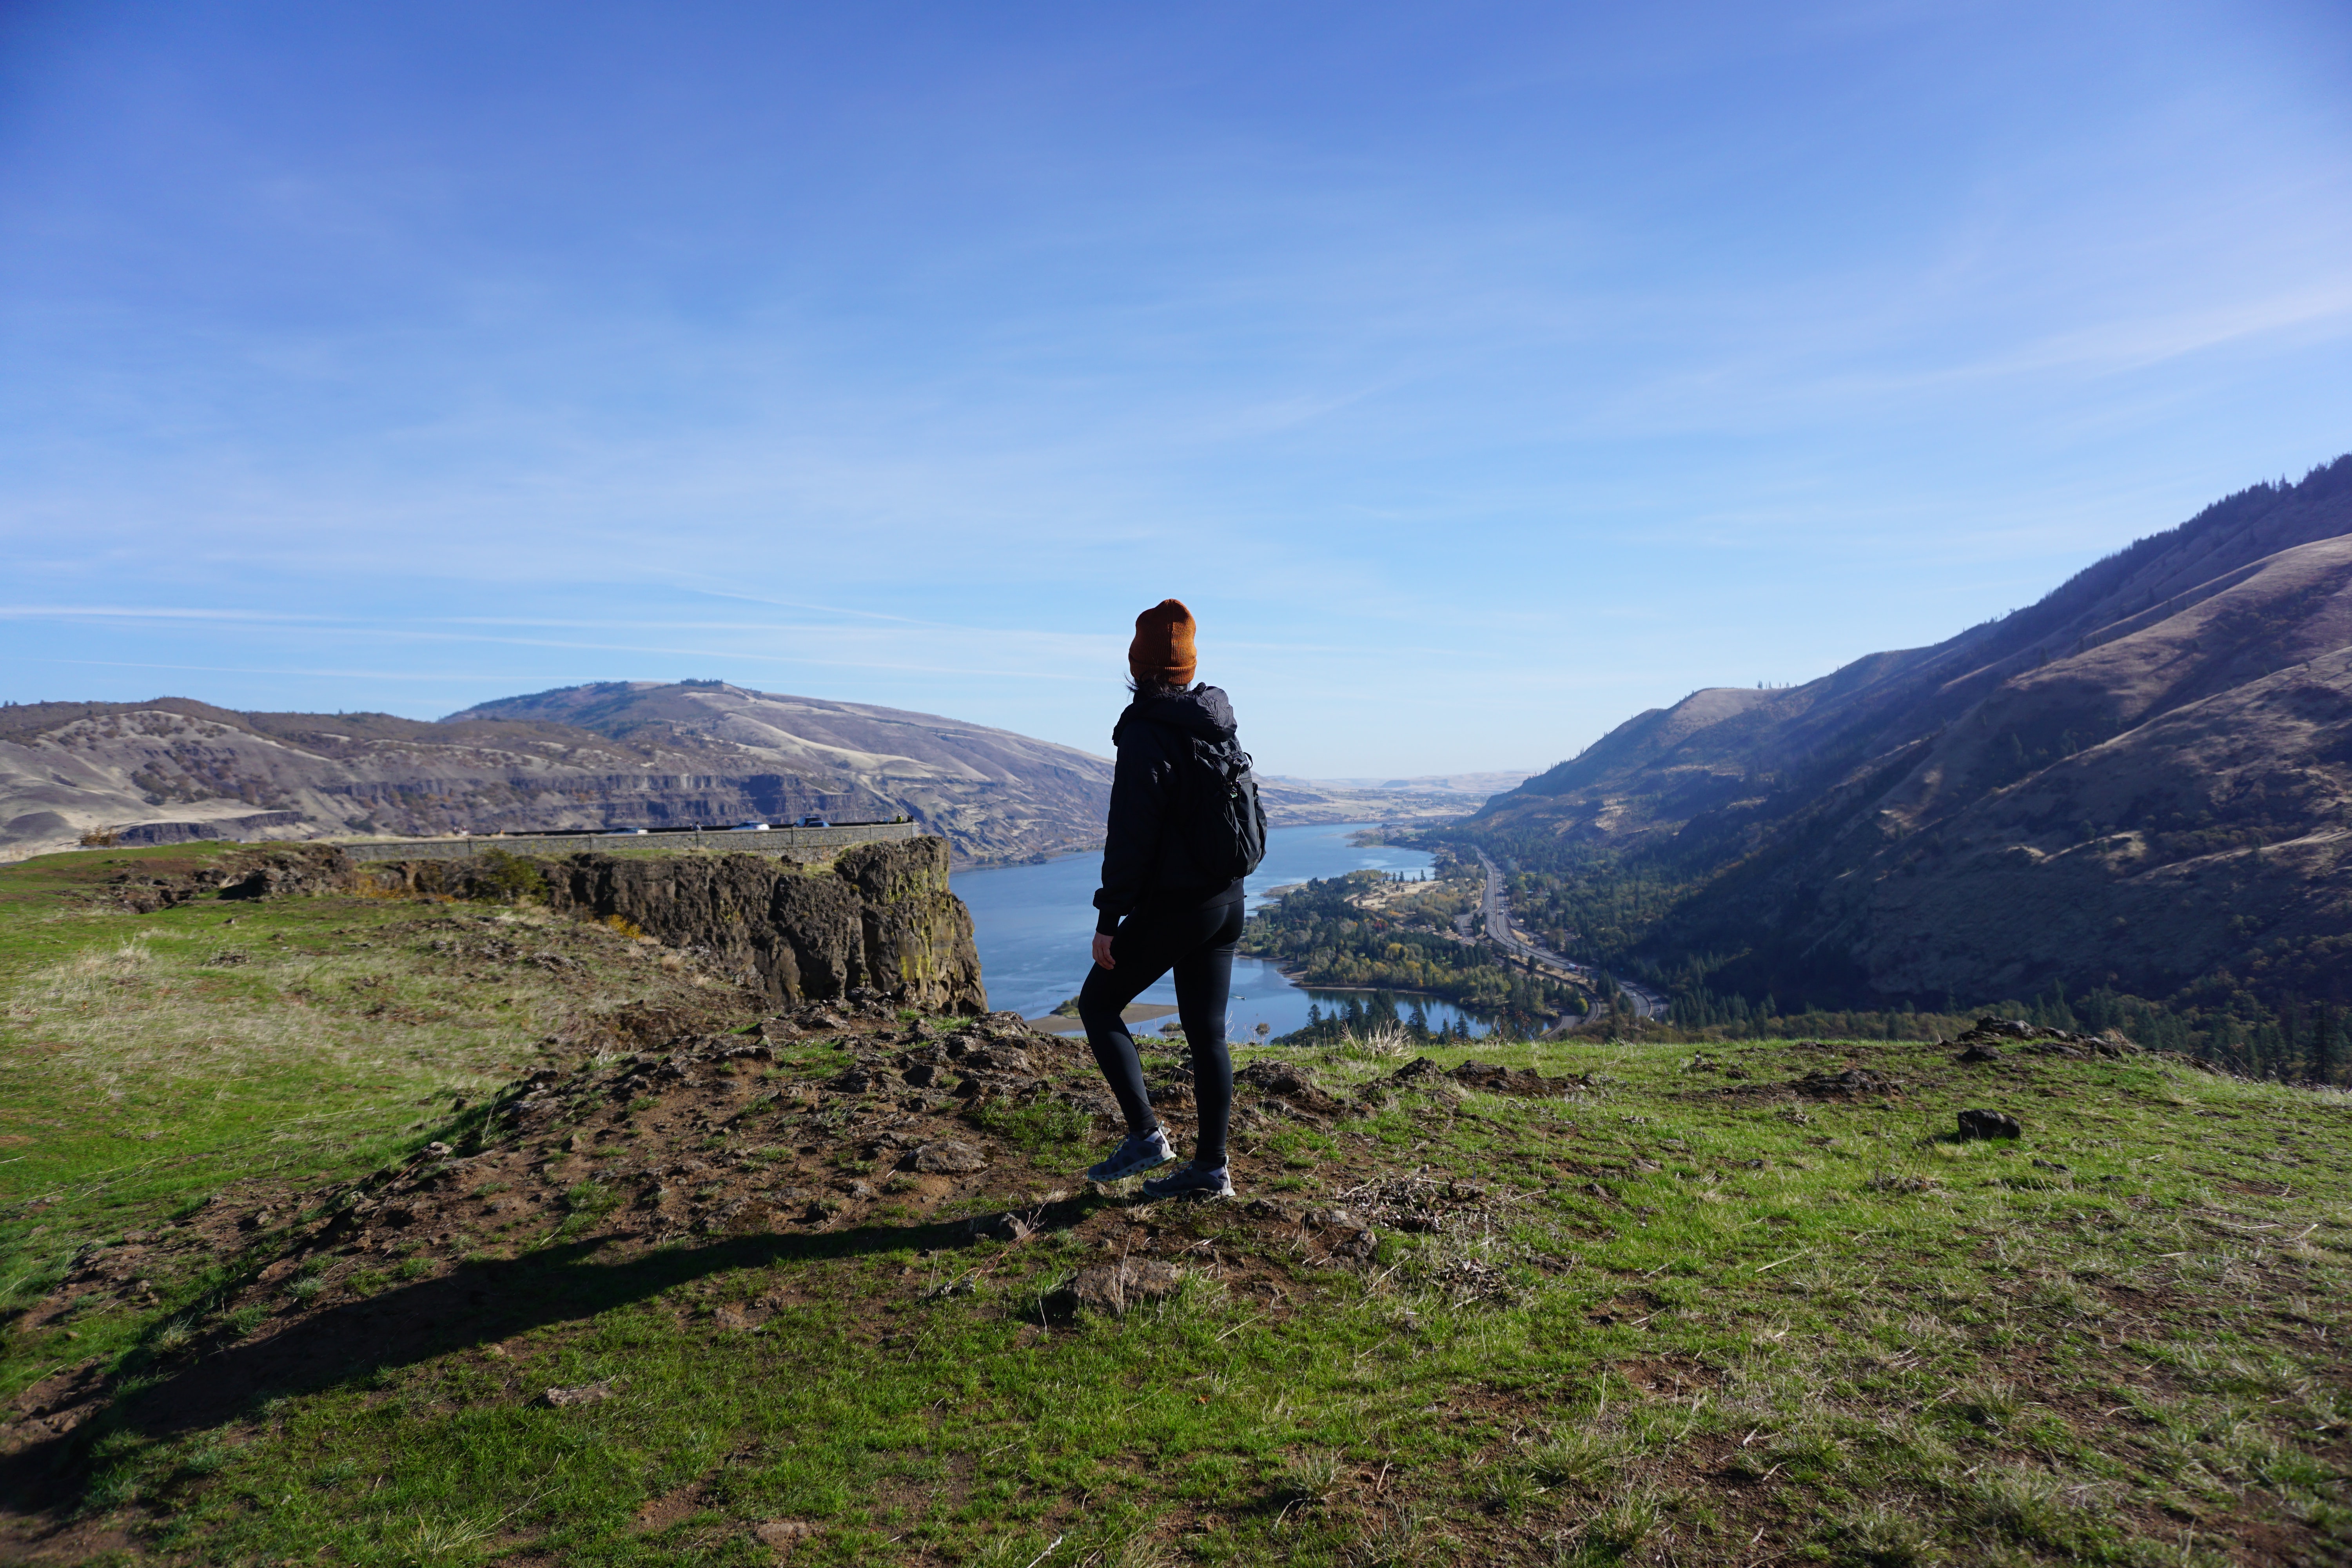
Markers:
1289,1085
681,1159
1490,1078
662,1512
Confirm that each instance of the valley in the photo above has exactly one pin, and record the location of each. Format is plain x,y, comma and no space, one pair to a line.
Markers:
2139,787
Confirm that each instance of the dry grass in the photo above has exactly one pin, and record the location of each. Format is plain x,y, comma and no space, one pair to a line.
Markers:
164,1009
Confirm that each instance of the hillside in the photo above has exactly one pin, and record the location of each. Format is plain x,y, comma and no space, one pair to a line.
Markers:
636,753
622,754
368,1229
2143,781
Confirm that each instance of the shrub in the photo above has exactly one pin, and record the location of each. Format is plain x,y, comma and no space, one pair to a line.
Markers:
508,879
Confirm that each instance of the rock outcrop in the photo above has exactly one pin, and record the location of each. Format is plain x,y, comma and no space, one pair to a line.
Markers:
277,871
878,920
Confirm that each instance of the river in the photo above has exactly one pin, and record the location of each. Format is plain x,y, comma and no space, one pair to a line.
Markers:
1033,925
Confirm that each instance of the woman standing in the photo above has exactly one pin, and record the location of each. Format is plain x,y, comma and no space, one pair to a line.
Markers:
1158,909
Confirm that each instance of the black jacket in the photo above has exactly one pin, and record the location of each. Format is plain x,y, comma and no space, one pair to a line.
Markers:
1144,854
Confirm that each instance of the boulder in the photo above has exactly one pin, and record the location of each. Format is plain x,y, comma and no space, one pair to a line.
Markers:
1989,1124
1845,1083
948,1157
582,1394
992,1058
1115,1287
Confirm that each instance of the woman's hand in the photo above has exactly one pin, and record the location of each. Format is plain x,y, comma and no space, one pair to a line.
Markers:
1102,952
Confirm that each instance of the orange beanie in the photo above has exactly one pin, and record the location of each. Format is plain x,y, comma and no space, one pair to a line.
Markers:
1162,649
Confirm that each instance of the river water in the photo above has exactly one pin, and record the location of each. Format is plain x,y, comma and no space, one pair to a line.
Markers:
1034,923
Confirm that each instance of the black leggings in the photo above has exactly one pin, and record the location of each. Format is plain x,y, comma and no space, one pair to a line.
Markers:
1198,944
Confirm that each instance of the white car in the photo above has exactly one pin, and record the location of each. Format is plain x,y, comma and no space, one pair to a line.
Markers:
749,827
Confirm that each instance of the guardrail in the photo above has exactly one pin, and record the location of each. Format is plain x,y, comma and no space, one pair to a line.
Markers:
795,842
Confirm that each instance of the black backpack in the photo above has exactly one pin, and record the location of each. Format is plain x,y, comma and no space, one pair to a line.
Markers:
1224,825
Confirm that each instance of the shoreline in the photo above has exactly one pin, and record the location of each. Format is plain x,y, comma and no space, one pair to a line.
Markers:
1370,990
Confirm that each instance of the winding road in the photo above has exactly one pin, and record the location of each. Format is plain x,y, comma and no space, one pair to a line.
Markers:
1497,909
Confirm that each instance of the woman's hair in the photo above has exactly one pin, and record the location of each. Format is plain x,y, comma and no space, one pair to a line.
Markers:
1140,686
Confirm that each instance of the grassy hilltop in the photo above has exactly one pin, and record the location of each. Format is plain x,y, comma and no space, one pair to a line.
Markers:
370,1230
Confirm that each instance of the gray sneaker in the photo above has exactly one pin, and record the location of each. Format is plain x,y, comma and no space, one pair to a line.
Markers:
1192,1182
1134,1156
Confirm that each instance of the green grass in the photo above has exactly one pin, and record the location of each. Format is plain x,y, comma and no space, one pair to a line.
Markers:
1677,1322
150,1062
1052,1132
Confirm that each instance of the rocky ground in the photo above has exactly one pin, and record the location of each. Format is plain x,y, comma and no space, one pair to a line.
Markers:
697,1279
825,1120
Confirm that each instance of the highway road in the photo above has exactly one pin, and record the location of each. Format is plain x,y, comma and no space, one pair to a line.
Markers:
1497,909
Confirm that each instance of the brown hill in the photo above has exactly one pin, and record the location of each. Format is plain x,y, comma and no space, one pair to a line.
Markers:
621,754
2145,780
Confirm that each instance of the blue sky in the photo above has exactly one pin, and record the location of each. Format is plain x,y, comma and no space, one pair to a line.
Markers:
1481,375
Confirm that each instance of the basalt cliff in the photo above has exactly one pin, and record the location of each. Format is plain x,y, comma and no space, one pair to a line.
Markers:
875,923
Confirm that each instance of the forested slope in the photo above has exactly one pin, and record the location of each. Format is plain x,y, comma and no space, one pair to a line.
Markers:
2141,781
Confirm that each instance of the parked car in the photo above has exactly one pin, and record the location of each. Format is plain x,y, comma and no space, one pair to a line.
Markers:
813,820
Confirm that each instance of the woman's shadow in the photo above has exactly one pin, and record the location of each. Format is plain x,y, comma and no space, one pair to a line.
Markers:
476,1303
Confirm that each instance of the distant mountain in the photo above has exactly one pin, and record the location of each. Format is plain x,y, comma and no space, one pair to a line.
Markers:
620,754
1481,784
2145,780
995,794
